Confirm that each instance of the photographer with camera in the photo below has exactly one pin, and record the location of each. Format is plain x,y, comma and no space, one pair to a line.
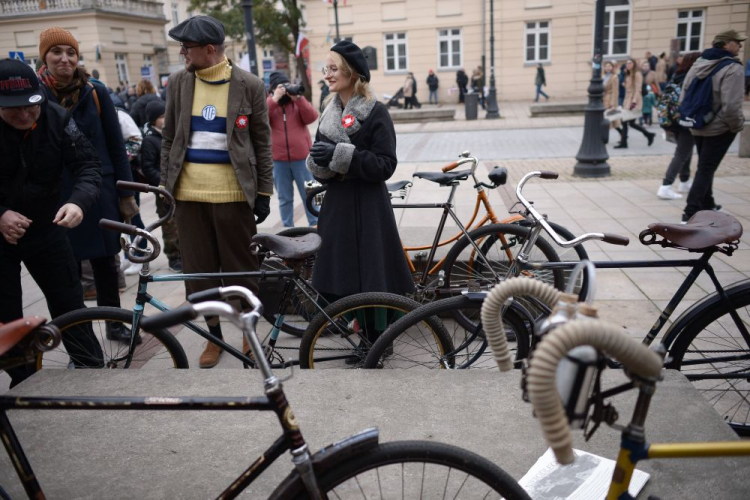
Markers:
289,114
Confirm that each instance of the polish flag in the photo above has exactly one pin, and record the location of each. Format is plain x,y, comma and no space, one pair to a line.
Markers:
331,2
302,42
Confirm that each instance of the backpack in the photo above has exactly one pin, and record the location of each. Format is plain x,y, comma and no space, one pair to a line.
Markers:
667,107
696,110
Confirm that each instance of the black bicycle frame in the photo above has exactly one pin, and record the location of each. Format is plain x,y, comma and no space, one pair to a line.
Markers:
274,400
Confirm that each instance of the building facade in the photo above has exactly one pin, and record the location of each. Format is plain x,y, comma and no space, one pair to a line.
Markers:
447,35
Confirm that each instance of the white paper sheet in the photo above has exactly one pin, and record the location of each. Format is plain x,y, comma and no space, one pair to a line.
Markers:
587,478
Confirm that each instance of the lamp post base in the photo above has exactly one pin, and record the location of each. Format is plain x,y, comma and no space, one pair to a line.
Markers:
586,169
493,111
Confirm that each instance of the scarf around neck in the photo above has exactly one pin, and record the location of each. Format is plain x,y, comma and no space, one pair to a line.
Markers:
66,94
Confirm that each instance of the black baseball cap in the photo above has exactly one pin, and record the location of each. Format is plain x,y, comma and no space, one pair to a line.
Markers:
19,85
202,30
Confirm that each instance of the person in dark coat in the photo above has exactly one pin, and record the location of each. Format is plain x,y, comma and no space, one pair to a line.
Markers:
146,93
462,80
432,84
540,81
38,141
355,153
92,109
324,91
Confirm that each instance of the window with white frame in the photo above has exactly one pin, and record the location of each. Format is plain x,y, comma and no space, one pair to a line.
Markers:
449,48
537,42
175,14
690,29
395,52
616,27
121,63
148,60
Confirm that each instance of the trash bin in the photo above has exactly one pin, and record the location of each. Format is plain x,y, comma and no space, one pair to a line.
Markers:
472,102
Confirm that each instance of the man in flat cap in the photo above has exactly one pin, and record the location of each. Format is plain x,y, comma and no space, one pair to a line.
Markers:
721,64
215,160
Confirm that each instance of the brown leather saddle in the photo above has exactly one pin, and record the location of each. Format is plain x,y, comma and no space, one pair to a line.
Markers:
289,247
14,332
704,229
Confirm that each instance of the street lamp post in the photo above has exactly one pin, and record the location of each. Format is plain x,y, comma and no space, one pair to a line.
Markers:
493,111
336,18
247,7
592,156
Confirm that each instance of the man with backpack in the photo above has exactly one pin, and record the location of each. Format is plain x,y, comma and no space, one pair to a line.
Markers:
711,107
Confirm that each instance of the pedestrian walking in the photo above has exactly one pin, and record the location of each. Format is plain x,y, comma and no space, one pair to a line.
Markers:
432,85
38,141
324,92
651,59
633,104
408,89
661,71
462,81
216,161
146,93
354,154
611,91
477,84
289,116
724,118
649,79
683,153
67,84
540,81
649,101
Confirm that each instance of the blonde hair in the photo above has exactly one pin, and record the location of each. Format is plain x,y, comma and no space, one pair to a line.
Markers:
361,87
145,87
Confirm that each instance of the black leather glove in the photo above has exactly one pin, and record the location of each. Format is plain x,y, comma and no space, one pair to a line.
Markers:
322,153
262,208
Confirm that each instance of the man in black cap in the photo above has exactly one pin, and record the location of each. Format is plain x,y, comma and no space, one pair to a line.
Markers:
216,160
37,141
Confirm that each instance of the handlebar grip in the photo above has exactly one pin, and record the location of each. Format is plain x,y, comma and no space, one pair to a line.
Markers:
616,239
133,186
212,294
118,226
546,174
449,167
169,318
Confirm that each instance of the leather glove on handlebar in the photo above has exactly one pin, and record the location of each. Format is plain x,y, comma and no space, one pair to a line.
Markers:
262,208
322,153
128,208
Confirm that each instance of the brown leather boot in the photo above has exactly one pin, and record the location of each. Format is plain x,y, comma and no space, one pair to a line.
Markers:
246,347
210,356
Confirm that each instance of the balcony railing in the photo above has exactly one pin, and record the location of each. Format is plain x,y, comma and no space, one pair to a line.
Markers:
34,7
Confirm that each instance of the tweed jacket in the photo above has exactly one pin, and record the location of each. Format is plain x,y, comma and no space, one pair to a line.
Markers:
249,144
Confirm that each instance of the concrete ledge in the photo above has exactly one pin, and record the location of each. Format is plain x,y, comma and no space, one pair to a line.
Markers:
423,115
745,141
557,108
191,454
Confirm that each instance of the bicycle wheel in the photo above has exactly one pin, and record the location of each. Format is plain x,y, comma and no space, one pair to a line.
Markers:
409,342
499,245
341,335
414,469
712,352
301,308
158,350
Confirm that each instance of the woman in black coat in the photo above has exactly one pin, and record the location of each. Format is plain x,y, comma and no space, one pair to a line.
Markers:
355,153
94,114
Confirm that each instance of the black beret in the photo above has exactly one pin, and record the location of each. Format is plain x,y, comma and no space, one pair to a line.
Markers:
275,78
203,30
155,109
354,56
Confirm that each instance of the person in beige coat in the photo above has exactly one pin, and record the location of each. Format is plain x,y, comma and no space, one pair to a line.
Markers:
633,103
408,89
611,93
650,78
661,71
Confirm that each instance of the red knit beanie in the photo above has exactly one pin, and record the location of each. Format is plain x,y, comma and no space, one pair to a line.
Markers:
55,36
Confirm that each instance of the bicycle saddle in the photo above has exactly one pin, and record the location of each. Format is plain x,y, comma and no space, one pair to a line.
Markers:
12,333
704,229
498,176
395,186
289,247
444,179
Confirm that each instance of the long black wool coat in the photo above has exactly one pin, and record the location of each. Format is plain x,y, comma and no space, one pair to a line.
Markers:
361,249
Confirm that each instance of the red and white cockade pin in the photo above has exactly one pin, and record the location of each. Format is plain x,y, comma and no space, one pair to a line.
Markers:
241,121
347,121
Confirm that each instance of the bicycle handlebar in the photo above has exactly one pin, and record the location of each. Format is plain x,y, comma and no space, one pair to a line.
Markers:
120,227
450,166
169,318
133,186
539,218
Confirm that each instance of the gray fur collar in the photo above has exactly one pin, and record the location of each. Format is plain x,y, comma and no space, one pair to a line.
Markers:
331,125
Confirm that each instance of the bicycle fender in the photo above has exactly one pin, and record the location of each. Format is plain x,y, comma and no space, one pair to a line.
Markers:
326,459
693,312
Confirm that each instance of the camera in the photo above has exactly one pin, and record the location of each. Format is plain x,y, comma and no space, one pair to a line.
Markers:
294,89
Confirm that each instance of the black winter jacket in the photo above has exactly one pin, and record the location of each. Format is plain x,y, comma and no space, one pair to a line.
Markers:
151,155
54,145
138,110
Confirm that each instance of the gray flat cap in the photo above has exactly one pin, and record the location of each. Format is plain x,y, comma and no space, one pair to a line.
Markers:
203,30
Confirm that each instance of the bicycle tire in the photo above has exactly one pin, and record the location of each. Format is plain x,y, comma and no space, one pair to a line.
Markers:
432,470
702,347
341,335
407,332
463,270
300,310
159,348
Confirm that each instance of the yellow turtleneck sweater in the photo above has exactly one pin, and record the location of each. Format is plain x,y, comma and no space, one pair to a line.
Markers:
207,174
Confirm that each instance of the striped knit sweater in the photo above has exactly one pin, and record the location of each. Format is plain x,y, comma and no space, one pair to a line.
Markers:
207,174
